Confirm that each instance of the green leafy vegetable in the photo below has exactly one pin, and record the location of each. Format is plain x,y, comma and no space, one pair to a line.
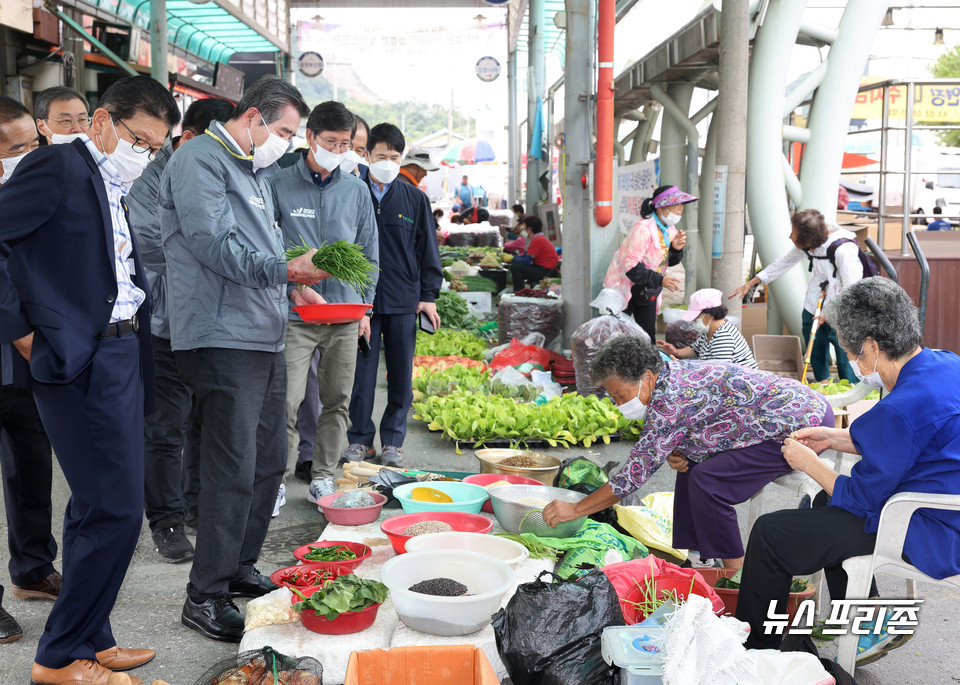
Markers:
537,550
832,387
452,309
335,553
346,593
342,260
446,342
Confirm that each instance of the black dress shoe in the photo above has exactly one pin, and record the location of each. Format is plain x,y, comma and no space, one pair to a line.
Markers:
254,584
10,630
217,618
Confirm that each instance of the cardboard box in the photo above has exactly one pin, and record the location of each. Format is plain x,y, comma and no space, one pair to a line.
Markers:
753,321
436,665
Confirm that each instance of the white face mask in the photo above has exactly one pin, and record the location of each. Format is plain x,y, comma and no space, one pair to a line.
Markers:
349,161
633,410
9,164
671,219
700,327
272,149
129,162
384,171
64,138
326,160
872,379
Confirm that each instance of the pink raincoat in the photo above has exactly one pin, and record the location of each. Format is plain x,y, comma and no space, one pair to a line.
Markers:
644,244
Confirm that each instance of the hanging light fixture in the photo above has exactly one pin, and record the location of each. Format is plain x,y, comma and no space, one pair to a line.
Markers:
938,36
887,18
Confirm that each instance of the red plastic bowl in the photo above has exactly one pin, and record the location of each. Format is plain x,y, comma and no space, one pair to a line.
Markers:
332,312
460,521
485,479
344,624
361,550
358,516
284,576
665,583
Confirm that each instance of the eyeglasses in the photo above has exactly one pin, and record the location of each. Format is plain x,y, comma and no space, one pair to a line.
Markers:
334,145
140,145
67,122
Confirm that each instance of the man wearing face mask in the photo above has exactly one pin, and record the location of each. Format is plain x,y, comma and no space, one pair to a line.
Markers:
25,457
19,136
79,314
168,482
317,201
62,114
410,279
228,317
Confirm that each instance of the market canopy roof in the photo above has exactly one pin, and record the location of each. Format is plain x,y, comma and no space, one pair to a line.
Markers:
212,31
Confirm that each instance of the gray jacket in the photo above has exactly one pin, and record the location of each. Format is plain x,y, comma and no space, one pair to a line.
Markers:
341,210
145,221
222,248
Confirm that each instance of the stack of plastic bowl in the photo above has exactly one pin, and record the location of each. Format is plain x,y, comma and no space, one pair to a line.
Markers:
466,497
487,580
509,552
519,508
394,526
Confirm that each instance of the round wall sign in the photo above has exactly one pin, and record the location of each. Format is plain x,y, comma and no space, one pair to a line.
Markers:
488,69
310,64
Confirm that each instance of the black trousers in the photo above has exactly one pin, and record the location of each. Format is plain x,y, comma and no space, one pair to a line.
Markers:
241,407
170,466
522,274
796,542
27,466
645,314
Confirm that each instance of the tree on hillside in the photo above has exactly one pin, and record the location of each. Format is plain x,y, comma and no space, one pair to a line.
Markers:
947,66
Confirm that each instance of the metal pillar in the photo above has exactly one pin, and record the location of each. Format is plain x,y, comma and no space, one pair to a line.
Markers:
882,185
513,156
766,199
578,219
732,139
907,166
158,41
705,215
536,67
830,113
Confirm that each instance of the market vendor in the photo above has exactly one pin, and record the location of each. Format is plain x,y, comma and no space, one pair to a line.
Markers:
719,340
909,442
540,259
720,425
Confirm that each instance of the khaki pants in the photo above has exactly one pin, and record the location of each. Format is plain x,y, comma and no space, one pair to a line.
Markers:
337,344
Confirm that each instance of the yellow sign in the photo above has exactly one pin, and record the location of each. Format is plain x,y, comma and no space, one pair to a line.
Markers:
931,103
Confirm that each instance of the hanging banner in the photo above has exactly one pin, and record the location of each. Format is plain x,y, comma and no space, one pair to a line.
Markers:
635,183
719,208
931,103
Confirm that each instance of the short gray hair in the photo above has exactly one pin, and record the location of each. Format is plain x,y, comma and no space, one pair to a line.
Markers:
45,98
272,96
626,357
879,309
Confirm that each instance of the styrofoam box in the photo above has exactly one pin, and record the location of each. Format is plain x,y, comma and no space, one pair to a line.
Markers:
482,301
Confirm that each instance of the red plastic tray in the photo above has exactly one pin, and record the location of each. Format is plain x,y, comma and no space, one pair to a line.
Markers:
332,312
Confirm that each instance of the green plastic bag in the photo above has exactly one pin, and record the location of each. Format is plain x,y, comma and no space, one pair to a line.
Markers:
589,546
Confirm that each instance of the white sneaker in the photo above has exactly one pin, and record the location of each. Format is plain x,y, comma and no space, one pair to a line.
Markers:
281,500
320,487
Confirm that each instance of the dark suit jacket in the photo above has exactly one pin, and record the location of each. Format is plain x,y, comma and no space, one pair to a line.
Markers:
56,264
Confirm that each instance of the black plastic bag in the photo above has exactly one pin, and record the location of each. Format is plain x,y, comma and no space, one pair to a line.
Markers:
549,633
384,483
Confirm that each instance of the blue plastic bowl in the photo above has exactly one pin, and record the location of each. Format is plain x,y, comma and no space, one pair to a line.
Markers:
466,497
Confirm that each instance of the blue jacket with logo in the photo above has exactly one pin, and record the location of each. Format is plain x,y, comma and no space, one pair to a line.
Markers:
410,270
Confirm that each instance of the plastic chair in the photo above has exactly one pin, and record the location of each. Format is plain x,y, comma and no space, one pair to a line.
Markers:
779,354
887,557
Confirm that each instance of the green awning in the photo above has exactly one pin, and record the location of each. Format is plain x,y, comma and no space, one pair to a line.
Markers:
554,39
206,30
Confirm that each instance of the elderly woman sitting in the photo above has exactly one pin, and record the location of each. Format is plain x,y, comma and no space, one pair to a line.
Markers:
909,442
720,425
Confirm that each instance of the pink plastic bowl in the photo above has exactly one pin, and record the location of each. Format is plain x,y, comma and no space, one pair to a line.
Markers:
485,479
461,521
359,516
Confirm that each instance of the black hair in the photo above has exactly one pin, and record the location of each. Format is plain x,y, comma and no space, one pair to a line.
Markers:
271,96
199,115
331,116
438,213
716,313
360,121
518,208
646,207
482,214
11,110
456,219
533,223
135,95
46,97
938,210
389,135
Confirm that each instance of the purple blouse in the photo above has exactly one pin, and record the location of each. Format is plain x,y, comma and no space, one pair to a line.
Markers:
701,408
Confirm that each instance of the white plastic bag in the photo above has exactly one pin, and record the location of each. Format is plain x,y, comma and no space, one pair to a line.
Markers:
590,336
609,301
274,608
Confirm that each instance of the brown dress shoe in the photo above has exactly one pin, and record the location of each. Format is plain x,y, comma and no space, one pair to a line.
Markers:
119,659
48,588
80,672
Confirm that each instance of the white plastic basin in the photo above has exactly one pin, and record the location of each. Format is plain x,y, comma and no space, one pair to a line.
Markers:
486,578
507,551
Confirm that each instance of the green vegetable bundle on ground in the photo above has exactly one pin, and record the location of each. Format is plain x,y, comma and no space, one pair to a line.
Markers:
565,420
832,387
346,593
431,383
452,309
342,260
447,342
